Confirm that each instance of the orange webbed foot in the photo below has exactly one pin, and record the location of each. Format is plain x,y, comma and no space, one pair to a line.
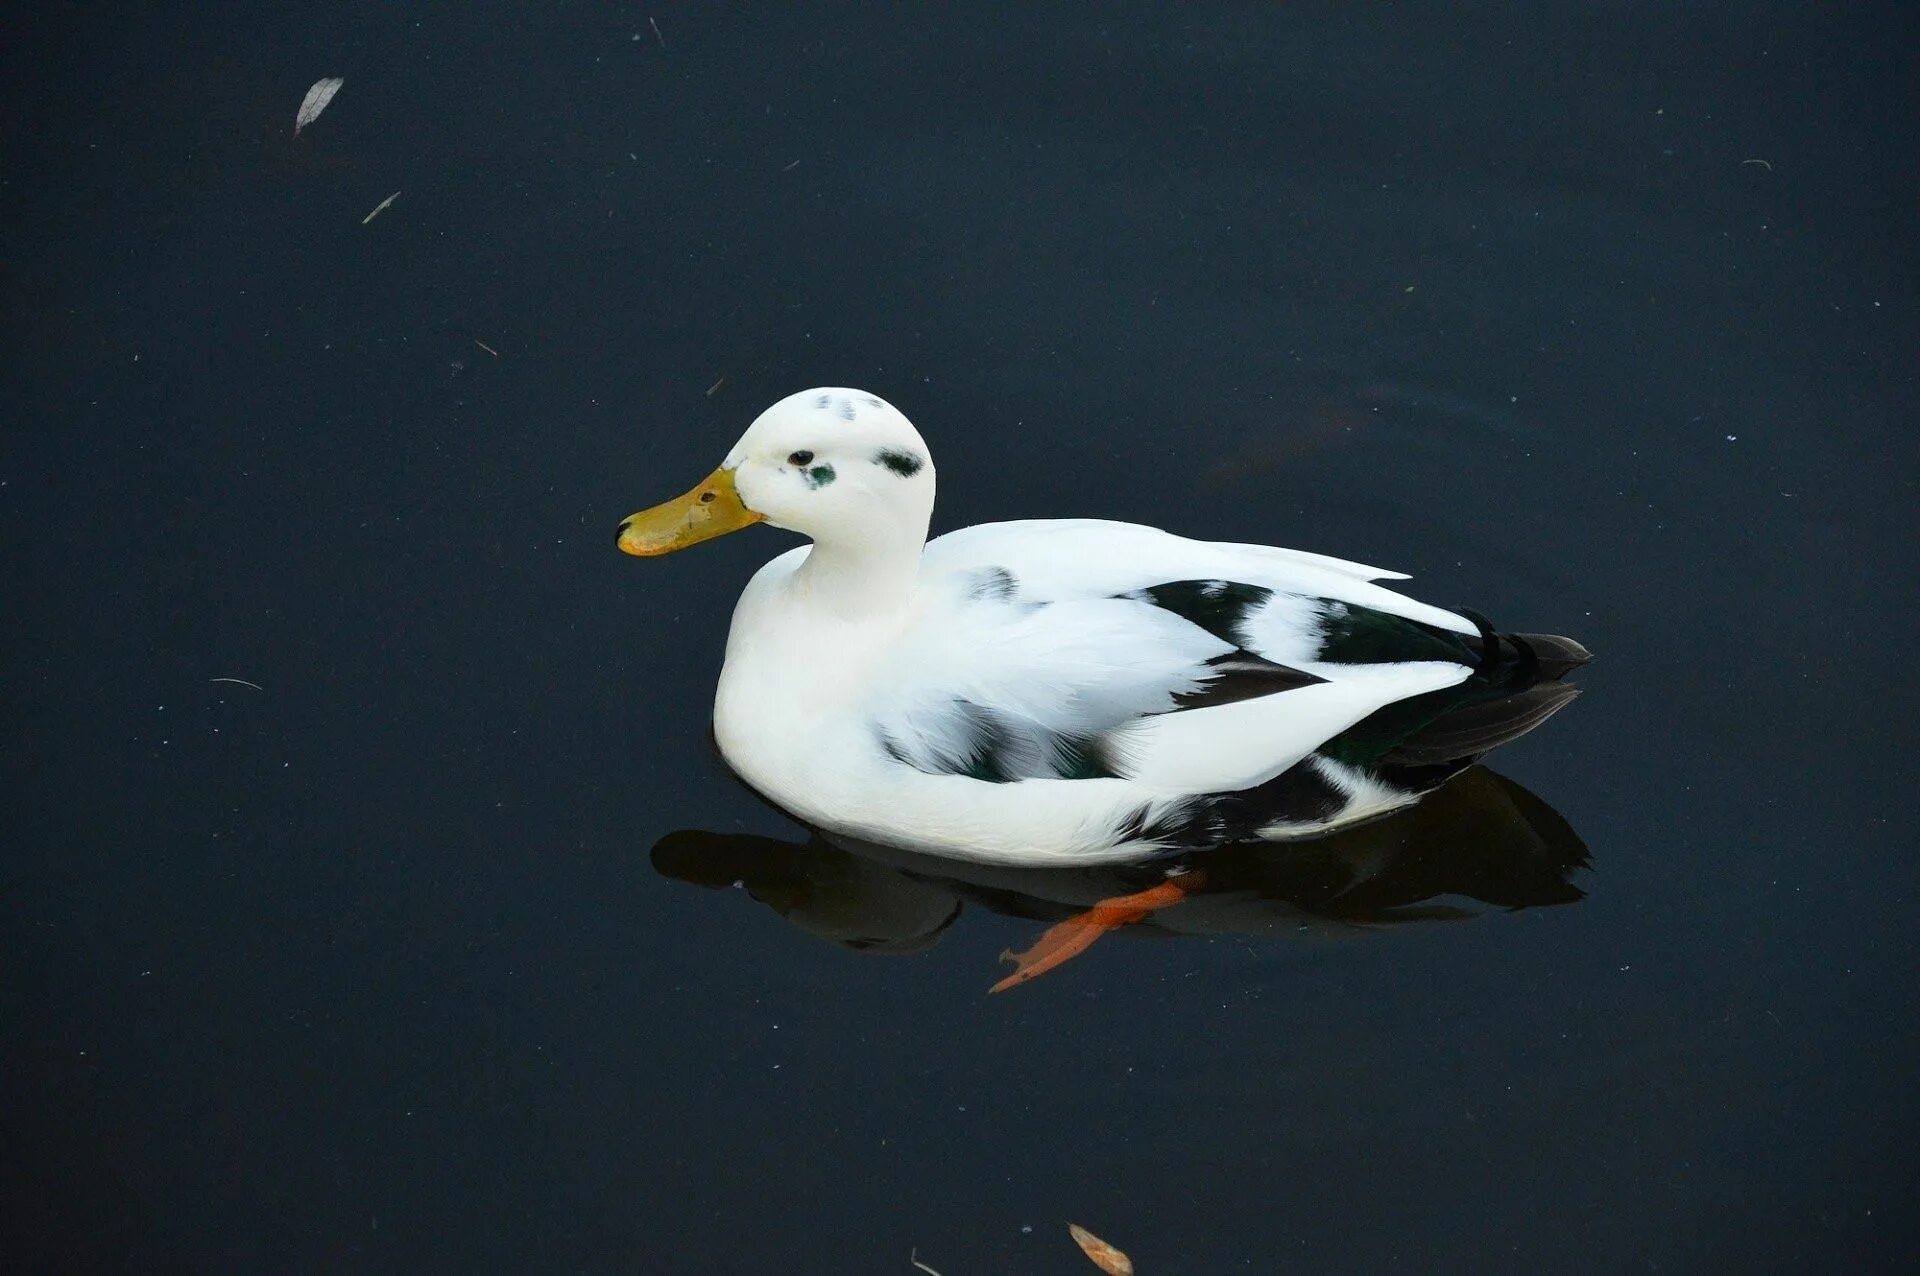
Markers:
1063,941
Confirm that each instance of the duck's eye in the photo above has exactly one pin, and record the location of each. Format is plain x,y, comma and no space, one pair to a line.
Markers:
800,458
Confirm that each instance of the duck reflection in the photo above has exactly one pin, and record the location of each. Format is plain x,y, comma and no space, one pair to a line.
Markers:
1480,842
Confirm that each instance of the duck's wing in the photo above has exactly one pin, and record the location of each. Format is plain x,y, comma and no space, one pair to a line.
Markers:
1085,650
1054,559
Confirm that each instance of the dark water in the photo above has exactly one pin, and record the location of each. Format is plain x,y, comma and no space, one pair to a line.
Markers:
1600,319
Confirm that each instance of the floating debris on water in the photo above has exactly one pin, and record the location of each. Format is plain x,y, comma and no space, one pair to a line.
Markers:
1104,1256
316,101
380,208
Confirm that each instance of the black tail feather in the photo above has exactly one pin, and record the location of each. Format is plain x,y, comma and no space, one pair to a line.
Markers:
1516,685
1516,688
1473,729
1413,745
1557,656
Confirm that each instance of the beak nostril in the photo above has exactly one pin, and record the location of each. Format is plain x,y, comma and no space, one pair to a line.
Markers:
709,509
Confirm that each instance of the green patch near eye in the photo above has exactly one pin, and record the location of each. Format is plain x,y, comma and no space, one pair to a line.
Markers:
819,476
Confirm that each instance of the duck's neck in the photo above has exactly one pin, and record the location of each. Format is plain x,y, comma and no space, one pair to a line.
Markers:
859,574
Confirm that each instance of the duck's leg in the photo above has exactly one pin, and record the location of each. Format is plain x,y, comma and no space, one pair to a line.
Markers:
1064,941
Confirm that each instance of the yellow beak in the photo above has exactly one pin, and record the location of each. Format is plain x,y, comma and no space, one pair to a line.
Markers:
709,510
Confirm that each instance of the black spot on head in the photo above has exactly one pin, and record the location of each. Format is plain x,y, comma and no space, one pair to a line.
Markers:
905,464
819,476
846,409
874,403
824,401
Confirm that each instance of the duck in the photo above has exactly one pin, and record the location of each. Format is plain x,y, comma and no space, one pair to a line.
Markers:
1065,692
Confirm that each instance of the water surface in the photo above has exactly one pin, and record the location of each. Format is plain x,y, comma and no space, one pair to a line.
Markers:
1599,321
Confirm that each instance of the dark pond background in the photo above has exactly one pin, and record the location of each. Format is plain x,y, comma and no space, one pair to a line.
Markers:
1598,318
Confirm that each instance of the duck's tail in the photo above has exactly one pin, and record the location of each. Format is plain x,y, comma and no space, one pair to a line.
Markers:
1409,747
1517,686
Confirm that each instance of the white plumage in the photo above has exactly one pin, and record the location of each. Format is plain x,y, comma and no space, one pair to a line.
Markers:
1045,692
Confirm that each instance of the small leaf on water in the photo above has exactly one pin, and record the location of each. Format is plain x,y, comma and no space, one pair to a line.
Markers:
1104,1256
316,101
380,208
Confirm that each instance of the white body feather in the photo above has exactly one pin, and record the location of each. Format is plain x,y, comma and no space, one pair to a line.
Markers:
806,698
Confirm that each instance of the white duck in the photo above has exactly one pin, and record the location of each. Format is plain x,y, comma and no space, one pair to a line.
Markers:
1069,691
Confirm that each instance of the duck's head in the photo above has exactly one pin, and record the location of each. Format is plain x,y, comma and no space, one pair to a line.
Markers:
834,464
